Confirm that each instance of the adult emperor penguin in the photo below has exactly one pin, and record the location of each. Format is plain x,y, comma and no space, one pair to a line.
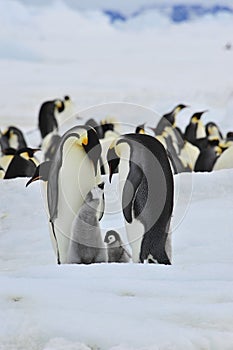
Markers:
208,156
73,172
47,120
12,138
22,164
116,251
147,190
169,119
86,244
195,130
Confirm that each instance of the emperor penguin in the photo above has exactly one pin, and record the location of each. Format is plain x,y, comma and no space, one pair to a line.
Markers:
208,157
213,131
195,130
22,164
116,251
147,191
86,244
47,122
12,138
169,119
73,172
225,161
140,129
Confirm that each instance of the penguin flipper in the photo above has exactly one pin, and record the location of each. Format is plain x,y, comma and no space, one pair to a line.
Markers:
129,191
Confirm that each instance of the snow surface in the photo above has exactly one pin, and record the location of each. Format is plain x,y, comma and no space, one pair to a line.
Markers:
53,50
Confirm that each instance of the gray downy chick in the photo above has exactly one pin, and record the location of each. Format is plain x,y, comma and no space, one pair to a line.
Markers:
86,244
116,252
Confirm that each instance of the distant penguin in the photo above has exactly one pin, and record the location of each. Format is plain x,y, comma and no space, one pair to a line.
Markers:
140,129
225,160
22,164
213,131
116,252
47,120
12,138
208,157
169,119
147,190
86,244
195,130
74,171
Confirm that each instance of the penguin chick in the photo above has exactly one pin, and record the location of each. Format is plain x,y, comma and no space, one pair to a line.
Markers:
86,244
116,252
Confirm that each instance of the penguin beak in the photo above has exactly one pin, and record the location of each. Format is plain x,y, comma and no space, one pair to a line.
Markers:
84,141
110,172
33,179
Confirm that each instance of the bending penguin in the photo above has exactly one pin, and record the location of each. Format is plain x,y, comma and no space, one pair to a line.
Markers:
73,172
147,191
116,252
47,120
86,243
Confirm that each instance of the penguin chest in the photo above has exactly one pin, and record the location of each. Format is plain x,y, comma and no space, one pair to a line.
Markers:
76,178
200,132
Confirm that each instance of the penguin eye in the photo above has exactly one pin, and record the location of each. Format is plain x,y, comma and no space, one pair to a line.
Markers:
111,239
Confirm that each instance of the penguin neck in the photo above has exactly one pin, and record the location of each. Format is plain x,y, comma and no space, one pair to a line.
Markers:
14,141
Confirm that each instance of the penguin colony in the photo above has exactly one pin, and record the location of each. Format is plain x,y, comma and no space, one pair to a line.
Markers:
74,167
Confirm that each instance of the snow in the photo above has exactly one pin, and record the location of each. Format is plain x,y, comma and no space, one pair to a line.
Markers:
52,50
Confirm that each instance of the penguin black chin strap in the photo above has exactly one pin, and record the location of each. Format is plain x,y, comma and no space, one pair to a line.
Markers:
58,255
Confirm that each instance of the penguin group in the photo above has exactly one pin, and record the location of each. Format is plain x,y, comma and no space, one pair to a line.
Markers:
199,148
76,164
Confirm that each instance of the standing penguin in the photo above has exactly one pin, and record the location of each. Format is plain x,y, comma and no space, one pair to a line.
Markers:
47,119
86,244
147,191
169,119
195,130
73,172
208,156
116,252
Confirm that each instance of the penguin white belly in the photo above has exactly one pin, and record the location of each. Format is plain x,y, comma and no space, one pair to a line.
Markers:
200,130
13,141
5,161
76,179
225,161
135,232
189,154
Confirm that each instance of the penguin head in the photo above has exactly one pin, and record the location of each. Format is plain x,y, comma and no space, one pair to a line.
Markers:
179,107
113,161
9,151
96,192
27,152
41,172
140,129
59,105
214,143
197,116
112,237
229,136
92,146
